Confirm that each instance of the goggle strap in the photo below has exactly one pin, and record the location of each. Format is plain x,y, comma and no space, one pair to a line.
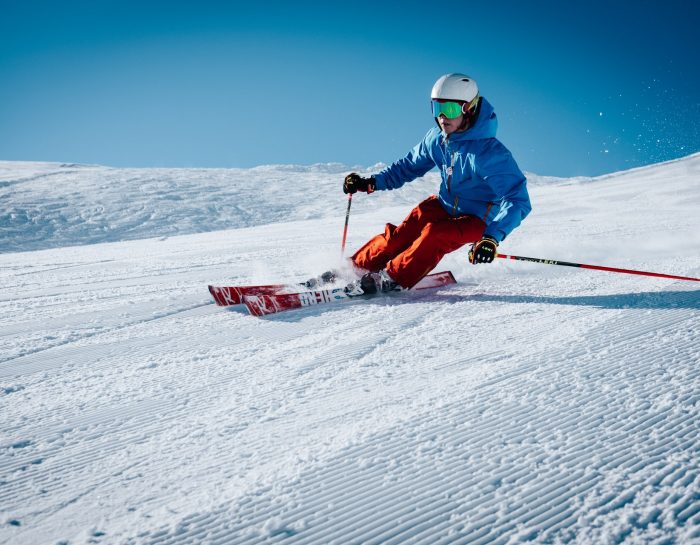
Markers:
471,106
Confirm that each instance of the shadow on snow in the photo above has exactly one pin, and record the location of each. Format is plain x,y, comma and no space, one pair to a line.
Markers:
658,300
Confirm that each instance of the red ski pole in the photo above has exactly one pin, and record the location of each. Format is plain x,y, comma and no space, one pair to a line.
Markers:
594,267
345,230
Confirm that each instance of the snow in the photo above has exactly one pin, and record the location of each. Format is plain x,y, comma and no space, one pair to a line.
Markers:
528,403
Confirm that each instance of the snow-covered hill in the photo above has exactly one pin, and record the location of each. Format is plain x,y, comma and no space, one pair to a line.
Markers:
528,403
50,205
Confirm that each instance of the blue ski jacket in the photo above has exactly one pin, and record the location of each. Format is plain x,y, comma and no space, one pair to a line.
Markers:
479,175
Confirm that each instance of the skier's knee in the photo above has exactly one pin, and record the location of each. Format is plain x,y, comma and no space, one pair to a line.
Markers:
389,230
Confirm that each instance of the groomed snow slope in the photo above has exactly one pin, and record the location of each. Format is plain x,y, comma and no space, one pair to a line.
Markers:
528,403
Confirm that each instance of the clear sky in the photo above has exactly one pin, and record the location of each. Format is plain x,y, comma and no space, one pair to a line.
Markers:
581,88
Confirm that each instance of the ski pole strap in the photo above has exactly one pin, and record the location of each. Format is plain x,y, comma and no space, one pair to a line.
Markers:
594,267
345,230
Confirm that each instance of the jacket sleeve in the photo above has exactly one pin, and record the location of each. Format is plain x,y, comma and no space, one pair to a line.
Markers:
417,163
509,185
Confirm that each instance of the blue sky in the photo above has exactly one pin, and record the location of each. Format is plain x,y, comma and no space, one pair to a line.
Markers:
581,88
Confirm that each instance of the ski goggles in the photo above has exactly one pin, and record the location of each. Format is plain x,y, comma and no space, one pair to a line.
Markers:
451,109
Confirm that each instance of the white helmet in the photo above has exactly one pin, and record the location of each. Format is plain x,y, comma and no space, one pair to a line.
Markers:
455,87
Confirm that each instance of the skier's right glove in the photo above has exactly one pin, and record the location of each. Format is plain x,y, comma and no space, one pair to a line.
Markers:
354,183
483,251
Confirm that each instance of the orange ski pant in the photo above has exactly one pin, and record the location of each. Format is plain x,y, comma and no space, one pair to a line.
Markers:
414,248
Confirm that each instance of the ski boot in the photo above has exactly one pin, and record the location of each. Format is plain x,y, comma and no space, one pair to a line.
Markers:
372,282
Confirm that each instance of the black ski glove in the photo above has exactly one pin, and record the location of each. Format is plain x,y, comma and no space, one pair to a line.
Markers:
354,183
483,251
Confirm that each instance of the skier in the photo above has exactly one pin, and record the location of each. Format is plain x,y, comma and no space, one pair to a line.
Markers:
482,197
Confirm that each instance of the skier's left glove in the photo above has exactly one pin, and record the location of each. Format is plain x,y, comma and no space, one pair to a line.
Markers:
483,251
354,183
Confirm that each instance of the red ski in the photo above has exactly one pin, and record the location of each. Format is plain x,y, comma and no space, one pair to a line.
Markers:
264,304
233,295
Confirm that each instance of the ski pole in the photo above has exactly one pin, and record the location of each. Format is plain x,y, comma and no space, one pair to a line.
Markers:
345,230
594,267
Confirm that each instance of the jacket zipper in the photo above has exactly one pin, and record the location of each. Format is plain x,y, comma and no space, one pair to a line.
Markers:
450,169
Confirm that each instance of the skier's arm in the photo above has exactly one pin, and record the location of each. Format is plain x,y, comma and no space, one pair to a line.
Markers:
414,165
514,207
509,184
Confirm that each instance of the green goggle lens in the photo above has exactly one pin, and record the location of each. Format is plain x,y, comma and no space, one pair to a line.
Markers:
450,110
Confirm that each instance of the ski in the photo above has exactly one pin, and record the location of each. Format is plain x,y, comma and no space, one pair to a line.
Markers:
233,295
226,296
264,304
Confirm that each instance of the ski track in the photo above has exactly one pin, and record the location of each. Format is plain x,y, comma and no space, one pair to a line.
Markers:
342,501
332,502
524,404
